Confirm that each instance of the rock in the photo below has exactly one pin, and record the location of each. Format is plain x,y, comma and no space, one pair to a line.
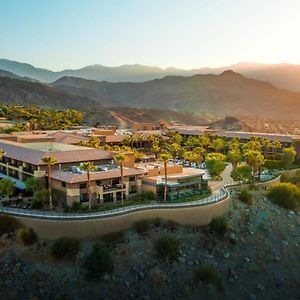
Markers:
246,259
261,287
226,255
4,236
190,263
157,275
291,213
181,259
285,243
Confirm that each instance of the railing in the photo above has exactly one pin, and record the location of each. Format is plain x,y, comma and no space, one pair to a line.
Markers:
223,194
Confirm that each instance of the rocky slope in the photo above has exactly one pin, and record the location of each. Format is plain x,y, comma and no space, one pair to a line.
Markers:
258,259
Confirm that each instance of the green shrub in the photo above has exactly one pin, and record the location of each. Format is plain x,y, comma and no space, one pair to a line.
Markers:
207,274
141,226
98,262
64,248
77,206
246,197
114,238
167,247
286,195
219,225
272,164
148,196
8,224
39,199
215,167
172,225
27,236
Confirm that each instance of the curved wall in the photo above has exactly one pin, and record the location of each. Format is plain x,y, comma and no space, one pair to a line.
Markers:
92,229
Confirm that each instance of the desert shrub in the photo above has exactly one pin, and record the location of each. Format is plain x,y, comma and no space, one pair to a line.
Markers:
272,164
27,236
8,224
141,226
39,199
207,274
114,237
172,225
98,262
2,243
286,195
156,222
219,225
167,247
246,197
64,248
292,178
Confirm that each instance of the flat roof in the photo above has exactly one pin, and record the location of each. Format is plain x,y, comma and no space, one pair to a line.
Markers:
70,177
186,173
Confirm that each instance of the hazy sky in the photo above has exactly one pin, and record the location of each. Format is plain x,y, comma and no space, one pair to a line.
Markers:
59,34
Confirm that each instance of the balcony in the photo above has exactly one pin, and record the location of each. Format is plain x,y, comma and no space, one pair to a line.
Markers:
112,188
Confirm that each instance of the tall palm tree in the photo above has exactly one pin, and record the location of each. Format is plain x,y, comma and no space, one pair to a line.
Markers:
88,167
164,158
120,158
50,161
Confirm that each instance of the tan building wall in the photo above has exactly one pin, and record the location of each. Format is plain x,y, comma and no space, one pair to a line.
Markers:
92,229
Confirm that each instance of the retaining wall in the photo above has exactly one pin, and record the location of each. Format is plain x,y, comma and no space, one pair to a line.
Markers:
92,229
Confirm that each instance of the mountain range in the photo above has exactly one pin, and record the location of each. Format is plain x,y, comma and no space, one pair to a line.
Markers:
17,91
228,93
284,76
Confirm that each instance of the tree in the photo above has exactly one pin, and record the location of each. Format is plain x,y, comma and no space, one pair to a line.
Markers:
216,156
165,157
6,187
217,144
189,156
120,158
254,159
215,167
174,149
284,194
234,156
199,153
243,173
88,167
2,153
288,156
50,161
94,142
33,184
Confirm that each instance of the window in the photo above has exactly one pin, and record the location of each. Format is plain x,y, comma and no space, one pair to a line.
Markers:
99,182
82,186
63,184
132,178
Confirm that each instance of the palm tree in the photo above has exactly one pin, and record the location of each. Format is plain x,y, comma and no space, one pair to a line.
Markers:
50,161
2,153
88,167
165,157
120,158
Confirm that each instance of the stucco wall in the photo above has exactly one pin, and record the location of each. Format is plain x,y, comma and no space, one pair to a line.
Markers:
91,229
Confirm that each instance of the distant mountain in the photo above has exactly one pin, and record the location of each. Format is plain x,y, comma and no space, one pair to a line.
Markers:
16,91
284,76
228,93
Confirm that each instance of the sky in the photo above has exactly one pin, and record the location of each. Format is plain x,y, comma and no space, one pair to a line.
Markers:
60,34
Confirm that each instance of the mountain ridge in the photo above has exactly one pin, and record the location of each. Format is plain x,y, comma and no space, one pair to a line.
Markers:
283,75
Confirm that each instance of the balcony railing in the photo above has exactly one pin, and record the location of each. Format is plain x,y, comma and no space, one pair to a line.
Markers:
116,187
